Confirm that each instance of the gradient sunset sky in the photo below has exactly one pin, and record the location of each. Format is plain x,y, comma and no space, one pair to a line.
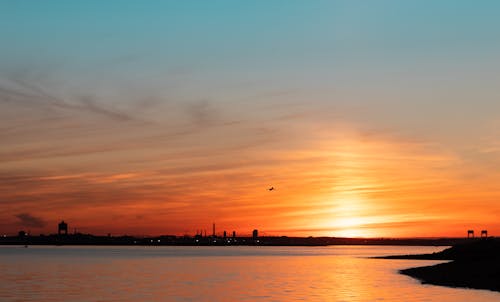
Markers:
370,118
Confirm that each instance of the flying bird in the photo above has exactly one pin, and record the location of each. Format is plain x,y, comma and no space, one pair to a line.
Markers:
271,188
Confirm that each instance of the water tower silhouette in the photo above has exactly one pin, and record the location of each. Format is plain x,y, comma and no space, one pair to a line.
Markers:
62,227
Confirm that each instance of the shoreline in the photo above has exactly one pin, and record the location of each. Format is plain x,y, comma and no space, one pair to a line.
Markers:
474,265
172,240
459,274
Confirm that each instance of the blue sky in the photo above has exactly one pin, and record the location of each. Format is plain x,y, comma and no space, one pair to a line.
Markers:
208,46
234,36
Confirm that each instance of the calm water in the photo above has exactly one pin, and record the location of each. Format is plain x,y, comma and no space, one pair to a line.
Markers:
336,273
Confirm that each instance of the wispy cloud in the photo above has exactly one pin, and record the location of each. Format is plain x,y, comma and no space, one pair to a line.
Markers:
28,93
202,113
28,220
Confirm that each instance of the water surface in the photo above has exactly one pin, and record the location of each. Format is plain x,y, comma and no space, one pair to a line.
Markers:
246,273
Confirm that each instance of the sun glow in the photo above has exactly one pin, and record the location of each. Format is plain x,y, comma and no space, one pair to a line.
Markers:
350,227
350,216
352,233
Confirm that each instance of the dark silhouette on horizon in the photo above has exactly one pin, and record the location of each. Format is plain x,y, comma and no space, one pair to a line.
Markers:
62,237
62,228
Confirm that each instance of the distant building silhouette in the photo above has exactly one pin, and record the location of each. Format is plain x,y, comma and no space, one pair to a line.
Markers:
62,227
234,234
484,233
470,234
225,234
255,234
22,234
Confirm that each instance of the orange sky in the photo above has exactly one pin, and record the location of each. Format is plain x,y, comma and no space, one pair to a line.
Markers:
330,181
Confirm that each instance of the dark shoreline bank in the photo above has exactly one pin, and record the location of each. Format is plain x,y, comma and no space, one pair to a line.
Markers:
88,239
473,274
473,265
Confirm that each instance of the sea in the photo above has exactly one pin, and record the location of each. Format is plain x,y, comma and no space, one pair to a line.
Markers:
219,273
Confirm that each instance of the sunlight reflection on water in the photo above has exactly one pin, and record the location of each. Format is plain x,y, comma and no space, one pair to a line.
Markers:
336,273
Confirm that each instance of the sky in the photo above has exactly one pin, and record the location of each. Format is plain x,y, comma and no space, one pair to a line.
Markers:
369,118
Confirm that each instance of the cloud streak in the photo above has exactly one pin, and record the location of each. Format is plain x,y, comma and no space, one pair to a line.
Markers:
24,92
28,220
